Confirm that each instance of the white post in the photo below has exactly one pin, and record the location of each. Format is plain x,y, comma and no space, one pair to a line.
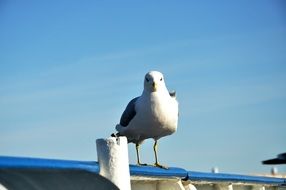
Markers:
112,154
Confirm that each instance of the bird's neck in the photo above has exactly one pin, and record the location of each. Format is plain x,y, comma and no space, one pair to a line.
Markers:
159,92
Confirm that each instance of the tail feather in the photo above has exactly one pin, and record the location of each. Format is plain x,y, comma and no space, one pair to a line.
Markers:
115,135
119,129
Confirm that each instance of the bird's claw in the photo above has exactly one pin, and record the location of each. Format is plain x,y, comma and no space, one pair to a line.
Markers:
160,166
140,164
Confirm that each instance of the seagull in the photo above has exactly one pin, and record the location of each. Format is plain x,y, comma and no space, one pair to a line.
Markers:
154,114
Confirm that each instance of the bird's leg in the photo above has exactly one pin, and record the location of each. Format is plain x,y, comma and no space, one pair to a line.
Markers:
155,147
138,156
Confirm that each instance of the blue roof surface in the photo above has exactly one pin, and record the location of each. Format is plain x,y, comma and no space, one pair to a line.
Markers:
7,162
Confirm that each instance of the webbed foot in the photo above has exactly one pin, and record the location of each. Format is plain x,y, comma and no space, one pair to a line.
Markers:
160,166
140,164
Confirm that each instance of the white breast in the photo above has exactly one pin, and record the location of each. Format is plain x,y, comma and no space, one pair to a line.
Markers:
156,116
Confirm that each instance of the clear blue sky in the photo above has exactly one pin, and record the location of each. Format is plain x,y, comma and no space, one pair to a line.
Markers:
69,68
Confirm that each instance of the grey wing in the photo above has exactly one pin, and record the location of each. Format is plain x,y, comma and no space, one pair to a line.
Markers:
128,113
173,94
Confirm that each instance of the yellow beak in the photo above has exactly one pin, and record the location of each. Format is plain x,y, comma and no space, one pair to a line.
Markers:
154,85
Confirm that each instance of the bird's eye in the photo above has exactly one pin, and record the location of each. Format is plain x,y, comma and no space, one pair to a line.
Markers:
161,79
147,79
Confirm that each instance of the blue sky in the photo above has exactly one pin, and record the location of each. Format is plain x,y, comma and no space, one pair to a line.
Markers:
69,68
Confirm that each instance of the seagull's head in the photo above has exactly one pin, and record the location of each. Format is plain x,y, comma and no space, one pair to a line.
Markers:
154,81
